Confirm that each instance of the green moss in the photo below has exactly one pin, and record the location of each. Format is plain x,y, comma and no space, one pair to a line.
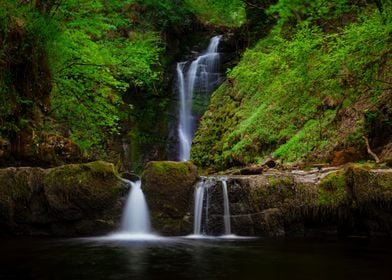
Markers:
170,167
102,167
332,189
72,180
20,189
285,95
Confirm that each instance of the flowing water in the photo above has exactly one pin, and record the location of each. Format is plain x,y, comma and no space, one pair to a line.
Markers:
200,76
178,258
135,221
202,206
226,215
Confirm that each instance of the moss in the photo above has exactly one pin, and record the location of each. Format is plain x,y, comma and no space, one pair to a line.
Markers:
277,100
91,180
21,189
18,184
170,167
332,189
102,167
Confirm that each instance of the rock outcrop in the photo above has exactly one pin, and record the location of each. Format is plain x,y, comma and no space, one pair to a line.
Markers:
355,200
168,187
69,200
349,200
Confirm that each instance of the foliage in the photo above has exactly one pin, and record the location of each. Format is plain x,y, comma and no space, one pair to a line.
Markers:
163,14
276,100
24,37
219,12
94,63
308,11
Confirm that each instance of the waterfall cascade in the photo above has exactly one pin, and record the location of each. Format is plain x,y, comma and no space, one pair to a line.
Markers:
202,200
136,218
226,208
135,222
200,76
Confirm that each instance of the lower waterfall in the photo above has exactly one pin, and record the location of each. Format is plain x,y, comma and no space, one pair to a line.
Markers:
202,201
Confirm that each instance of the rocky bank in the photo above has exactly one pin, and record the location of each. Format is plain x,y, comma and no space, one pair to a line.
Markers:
69,200
349,200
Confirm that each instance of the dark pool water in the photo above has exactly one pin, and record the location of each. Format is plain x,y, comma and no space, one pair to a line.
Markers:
180,258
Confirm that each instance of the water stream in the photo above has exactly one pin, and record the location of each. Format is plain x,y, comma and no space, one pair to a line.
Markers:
135,221
226,207
202,206
200,76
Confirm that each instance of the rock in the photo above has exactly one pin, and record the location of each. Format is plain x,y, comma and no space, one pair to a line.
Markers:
5,148
130,176
249,171
169,187
354,199
270,163
70,200
347,155
55,150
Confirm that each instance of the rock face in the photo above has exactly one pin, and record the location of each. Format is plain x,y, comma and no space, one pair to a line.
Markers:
355,199
169,187
70,200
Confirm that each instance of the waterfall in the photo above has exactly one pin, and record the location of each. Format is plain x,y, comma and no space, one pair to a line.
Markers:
198,212
202,205
200,76
226,216
135,218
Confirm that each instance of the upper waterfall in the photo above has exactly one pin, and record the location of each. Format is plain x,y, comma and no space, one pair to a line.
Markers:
200,76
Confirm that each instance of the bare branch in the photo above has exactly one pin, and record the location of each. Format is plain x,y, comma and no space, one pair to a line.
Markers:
370,150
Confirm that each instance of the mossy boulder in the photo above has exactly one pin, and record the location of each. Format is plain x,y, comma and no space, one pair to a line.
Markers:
69,200
168,187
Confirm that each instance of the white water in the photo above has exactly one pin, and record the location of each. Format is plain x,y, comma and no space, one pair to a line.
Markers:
136,218
135,222
198,212
198,76
201,208
226,207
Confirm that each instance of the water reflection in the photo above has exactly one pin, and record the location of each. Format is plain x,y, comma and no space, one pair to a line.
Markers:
180,258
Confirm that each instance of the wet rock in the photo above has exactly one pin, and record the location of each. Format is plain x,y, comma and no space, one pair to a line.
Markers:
70,200
130,176
169,187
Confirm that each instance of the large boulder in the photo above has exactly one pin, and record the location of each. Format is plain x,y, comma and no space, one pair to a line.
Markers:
169,187
69,200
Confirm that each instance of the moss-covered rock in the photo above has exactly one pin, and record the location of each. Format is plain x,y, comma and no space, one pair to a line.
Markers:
332,189
168,187
74,199
355,199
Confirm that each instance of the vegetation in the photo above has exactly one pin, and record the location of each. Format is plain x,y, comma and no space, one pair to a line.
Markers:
96,72
285,96
221,12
